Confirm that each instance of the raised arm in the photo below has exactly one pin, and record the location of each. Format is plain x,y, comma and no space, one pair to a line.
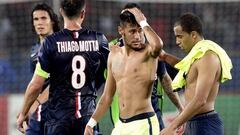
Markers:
155,42
105,100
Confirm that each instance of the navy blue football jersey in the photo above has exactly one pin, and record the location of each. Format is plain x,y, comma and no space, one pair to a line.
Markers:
161,70
34,59
76,61
38,118
34,56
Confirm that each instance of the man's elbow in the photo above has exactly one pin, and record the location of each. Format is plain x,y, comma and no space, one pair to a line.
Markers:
158,45
34,87
201,102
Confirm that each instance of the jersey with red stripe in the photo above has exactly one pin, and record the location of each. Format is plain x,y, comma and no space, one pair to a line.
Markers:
76,61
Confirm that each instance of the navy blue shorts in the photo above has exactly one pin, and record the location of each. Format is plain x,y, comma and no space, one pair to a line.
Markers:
205,124
37,121
35,127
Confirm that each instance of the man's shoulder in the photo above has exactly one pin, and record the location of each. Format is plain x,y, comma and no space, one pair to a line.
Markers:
115,53
210,55
210,58
115,49
93,32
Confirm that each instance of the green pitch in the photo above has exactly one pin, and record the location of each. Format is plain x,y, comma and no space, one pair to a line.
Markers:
228,106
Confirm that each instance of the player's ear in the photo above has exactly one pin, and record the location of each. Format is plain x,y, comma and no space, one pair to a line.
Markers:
82,15
194,34
61,12
120,30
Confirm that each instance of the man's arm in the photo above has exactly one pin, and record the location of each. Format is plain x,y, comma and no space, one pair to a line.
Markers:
105,100
173,96
169,58
42,98
205,80
154,40
31,94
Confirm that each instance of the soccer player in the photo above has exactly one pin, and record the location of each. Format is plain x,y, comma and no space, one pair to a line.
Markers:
75,58
44,23
162,82
131,73
200,73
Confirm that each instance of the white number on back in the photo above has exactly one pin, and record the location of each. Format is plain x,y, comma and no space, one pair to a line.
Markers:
78,72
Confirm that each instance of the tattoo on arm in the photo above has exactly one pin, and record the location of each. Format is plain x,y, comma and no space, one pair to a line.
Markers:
173,96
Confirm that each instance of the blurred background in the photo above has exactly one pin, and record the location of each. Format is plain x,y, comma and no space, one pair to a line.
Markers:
221,20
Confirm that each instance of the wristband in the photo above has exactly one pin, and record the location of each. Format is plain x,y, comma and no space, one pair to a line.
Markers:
92,122
38,101
143,23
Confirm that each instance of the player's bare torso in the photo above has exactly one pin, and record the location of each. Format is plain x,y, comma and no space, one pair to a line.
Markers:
134,74
192,82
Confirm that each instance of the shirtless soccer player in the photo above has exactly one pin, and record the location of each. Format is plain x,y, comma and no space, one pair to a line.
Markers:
131,73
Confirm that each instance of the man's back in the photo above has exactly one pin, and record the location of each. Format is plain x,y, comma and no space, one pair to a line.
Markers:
134,75
74,60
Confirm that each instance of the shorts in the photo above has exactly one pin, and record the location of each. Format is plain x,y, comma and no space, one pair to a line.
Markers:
142,124
37,121
205,124
68,126
35,127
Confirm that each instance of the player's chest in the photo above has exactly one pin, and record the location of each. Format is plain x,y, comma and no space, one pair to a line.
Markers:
192,74
124,66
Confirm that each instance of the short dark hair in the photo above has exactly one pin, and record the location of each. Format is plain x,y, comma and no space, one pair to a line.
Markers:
72,8
190,22
132,5
49,10
126,16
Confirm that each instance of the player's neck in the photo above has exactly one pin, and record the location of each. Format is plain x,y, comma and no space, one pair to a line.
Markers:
41,38
72,24
128,50
199,38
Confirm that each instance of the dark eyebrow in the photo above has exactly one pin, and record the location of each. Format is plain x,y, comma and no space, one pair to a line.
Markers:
43,17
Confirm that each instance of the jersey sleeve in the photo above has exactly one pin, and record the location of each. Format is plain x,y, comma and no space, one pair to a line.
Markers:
31,60
171,71
103,46
161,70
104,50
40,72
44,56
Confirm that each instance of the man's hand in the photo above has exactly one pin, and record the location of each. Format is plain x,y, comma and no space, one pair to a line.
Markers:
20,120
167,131
117,45
162,55
88,130
139,16
181,129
